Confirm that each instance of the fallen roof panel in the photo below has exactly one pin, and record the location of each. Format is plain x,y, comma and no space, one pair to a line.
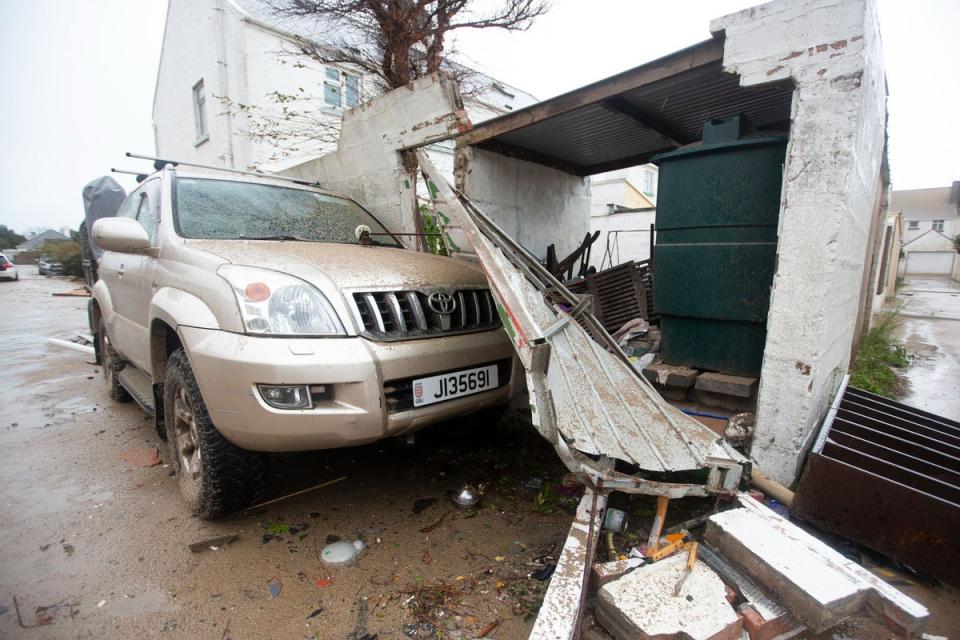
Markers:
587,398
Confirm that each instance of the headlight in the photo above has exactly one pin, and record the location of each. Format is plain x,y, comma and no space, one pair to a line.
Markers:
273,303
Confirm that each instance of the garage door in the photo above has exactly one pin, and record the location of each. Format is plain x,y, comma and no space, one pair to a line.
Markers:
931,262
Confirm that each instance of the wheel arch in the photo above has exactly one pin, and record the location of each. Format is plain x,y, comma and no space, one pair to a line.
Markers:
169,310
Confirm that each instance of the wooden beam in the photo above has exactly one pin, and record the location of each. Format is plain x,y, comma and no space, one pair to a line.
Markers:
621,106
708,52
622,163
521,153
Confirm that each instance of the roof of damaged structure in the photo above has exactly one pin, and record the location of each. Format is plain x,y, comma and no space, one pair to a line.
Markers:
626,119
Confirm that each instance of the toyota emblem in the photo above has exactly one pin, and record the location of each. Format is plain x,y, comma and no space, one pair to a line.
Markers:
442,303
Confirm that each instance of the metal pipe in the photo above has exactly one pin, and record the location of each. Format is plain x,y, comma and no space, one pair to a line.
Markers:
259,174
82,348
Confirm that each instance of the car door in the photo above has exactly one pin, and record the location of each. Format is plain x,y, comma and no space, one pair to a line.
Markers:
122,274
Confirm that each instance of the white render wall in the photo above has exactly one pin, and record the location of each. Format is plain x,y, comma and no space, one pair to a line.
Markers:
535,204
633,241
831,51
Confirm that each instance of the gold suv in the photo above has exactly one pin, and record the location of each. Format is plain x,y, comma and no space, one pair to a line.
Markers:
252,314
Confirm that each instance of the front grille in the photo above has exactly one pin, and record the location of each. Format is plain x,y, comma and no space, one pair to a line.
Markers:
398,315
399,393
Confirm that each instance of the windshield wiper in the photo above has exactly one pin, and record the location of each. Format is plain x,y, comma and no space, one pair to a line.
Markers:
274,237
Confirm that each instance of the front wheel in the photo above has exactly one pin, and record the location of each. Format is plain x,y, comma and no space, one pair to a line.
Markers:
112,364
215,477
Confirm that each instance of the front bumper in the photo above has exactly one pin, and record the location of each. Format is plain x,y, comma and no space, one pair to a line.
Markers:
228,366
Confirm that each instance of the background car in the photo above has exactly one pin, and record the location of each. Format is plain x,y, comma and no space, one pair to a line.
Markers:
8,270
47,267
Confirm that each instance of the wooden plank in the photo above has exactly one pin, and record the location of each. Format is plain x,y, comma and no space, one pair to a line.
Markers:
622,106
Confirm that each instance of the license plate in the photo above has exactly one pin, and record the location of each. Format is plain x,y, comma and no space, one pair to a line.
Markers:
454,385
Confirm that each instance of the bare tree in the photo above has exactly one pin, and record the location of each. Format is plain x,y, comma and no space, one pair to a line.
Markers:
397,41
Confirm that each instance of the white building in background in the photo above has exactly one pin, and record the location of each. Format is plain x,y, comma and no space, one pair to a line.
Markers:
623,205
224,60
931,221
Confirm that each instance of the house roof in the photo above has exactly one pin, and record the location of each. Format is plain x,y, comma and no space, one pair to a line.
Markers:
626,119
36,241
926,204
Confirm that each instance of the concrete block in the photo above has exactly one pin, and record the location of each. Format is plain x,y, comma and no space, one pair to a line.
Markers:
759,628
604,572
641,604
739,386
670,375
817,585
733,404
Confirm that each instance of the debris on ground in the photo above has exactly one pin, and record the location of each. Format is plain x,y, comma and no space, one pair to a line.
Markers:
79,292
342,553
141,456
273,587
212,544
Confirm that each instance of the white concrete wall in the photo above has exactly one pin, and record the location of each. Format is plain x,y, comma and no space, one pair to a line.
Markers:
831,50
926,239
367,164
535,204
633,244
189,55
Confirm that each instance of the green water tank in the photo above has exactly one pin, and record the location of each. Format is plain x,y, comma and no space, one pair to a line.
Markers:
716,245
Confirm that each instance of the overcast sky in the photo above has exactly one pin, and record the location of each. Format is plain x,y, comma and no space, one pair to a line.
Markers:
79,80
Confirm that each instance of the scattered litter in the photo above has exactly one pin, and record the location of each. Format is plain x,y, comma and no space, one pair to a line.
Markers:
101,604
141,456
3,609
615,520
213,543
277,529
342,553
544,574
315,613
68,548
533,485
66,344
466,497
431,527
323,583
79,292
488,629
295,493
274,587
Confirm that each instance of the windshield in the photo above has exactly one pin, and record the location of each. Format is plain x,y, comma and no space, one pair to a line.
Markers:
229,210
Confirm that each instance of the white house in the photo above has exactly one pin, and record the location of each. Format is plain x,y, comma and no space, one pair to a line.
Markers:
931,221
223,65
622,208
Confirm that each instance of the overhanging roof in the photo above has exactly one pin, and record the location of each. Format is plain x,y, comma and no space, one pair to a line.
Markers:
624,120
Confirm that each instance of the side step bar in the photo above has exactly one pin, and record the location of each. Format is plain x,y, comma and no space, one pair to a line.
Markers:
139,386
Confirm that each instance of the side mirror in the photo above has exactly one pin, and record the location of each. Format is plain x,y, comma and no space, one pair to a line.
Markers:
120,234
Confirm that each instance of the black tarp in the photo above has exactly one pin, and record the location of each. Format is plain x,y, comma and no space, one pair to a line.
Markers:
101,199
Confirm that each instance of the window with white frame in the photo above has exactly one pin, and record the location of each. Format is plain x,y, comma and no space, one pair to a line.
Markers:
938,225
200,111
913,225
340,90
648,182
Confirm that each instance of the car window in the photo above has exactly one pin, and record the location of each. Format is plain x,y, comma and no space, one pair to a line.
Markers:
147,219
129,207
225,209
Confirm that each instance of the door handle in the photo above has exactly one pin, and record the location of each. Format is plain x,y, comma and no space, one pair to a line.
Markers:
120,272
153,286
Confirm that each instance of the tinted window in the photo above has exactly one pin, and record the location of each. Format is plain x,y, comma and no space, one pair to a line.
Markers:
223,209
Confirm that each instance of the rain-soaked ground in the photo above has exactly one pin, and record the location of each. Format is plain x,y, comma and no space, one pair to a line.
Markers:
94,546
930,328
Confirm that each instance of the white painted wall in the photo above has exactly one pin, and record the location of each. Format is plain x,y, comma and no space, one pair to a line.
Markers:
831,50
632,243
203,36
536,205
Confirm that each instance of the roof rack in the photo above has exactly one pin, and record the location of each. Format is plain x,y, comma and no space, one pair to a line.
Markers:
159,163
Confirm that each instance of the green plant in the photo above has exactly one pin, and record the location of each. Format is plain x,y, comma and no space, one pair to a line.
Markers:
67,253
546,500
438,240
956,243
879,354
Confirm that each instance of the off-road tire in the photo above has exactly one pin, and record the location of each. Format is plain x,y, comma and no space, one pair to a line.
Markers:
225,478
112,364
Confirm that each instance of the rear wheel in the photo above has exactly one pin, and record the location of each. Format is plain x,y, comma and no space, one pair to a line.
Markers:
112,364
215,477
